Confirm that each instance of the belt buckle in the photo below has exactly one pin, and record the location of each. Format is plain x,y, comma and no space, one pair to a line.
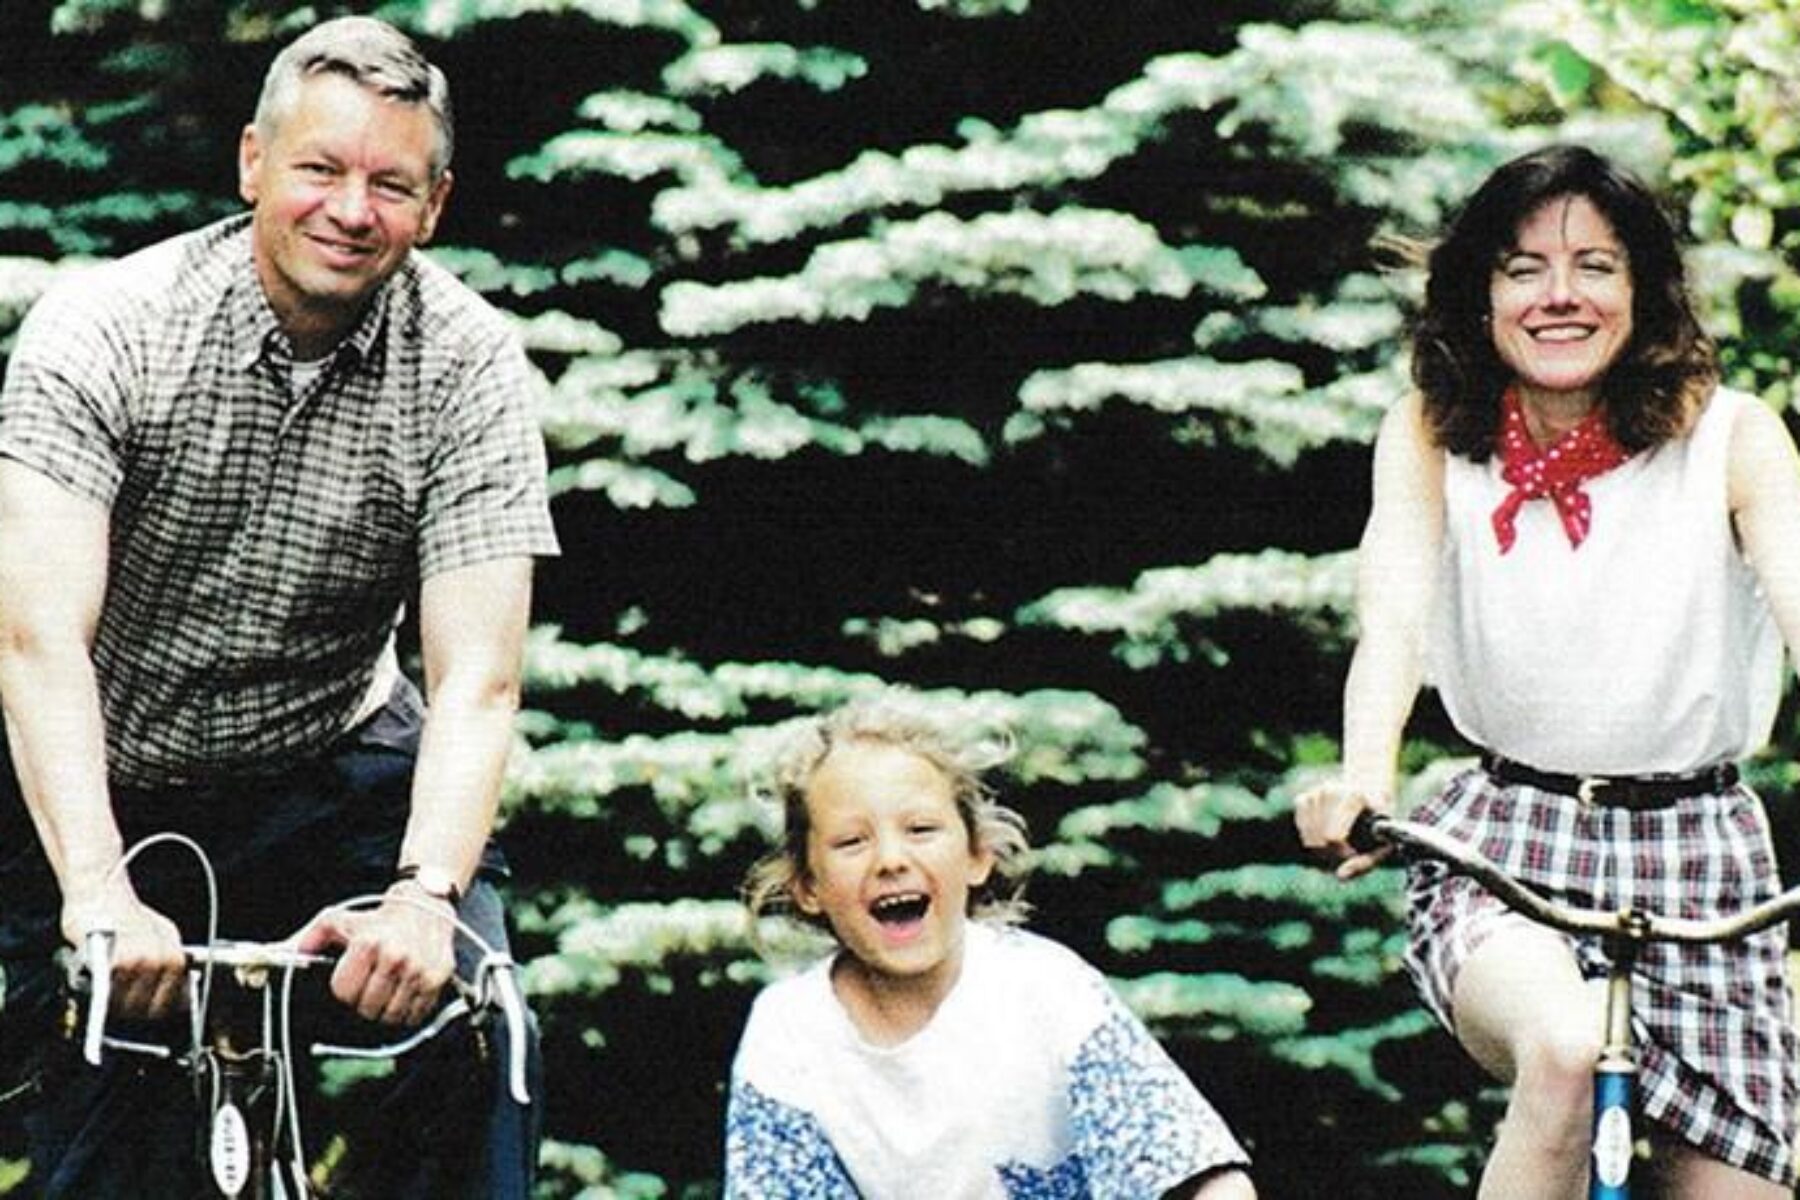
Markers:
1591,784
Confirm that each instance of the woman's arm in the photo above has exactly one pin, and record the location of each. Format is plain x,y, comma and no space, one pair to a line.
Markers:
1396,576
1763,482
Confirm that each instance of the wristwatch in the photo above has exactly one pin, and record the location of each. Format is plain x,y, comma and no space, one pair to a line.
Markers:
435,882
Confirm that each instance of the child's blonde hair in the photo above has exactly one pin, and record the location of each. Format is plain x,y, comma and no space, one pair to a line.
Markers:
899,718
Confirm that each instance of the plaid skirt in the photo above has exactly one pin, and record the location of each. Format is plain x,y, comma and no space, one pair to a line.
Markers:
1717,1053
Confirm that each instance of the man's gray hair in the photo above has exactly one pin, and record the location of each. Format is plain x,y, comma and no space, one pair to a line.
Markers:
373,54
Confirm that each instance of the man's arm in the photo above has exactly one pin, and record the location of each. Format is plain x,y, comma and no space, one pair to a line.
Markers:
53,567
472,625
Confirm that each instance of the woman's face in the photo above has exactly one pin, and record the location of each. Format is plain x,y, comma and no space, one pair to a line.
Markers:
1560,298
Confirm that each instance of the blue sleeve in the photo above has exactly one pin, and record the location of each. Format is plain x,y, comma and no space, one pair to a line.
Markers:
1140,1126
774,1151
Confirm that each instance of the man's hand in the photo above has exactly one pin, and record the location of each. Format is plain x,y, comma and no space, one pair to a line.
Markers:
148,971
1324,814
395,959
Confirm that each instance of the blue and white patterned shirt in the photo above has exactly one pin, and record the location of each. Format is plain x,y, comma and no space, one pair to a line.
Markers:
1032,1082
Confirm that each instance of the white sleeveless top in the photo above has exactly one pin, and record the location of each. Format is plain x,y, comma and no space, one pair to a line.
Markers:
1649,649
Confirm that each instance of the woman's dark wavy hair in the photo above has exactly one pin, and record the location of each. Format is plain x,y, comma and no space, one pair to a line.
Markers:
1661,378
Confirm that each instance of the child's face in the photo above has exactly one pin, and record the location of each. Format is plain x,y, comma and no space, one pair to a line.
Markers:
889,862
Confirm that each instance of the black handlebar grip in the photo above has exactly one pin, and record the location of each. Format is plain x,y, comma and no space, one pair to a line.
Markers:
1366,832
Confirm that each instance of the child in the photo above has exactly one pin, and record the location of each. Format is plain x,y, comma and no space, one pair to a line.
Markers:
934,1056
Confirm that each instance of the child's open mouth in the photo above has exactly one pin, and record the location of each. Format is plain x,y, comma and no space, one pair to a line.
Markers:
901,908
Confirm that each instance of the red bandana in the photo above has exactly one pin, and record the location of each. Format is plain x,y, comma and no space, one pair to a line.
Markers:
1557,473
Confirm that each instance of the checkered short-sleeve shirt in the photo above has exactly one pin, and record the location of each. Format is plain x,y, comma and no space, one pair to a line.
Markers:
267,529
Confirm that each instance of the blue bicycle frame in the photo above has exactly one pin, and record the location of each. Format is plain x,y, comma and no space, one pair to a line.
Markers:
1615,1073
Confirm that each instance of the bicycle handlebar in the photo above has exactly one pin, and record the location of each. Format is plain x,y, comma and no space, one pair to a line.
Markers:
495,986
1373,829
253,956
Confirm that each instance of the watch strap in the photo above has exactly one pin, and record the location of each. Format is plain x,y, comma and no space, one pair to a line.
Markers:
434,882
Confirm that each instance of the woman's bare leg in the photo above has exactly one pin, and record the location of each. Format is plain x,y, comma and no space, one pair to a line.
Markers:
1525,1014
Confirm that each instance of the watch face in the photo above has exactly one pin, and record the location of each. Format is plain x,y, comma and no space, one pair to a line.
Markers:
434,881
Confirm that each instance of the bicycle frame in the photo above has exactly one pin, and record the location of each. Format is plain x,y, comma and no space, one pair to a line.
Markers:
1624,932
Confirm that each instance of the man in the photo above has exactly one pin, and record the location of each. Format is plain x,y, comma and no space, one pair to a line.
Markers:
227,464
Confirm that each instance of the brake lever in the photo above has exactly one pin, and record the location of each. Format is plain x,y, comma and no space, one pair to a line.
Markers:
97,958
497,978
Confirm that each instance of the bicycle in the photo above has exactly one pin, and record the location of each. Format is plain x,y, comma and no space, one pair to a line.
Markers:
1624,933
239,1067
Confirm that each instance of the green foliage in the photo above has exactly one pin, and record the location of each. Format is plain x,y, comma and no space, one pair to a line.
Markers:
1275,886
1199,809
1353,1053
1047,258
1155,618
453,18
734,68
1025,358
1216,1007
594,1175
39,133
596,947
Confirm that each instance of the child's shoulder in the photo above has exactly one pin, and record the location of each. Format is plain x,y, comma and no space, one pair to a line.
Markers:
796,993
1042,973
1024,946
796,1008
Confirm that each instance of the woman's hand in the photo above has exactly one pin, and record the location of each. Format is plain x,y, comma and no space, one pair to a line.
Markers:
1324,816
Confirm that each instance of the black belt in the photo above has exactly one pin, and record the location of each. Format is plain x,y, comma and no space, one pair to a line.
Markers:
1616,791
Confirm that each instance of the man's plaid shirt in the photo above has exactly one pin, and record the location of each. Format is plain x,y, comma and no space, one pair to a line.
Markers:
263,542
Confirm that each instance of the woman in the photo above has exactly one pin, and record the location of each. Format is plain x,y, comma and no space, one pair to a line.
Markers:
1593,551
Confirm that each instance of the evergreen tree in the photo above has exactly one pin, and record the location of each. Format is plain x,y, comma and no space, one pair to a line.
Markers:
1023,354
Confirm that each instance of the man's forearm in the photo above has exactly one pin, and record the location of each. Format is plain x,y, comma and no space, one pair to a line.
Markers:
55,734
53,570
456,787
472,624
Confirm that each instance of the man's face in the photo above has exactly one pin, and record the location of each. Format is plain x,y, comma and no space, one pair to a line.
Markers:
342,191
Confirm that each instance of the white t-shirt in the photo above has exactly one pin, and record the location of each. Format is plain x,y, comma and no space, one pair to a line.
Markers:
1647,649
1032,1079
